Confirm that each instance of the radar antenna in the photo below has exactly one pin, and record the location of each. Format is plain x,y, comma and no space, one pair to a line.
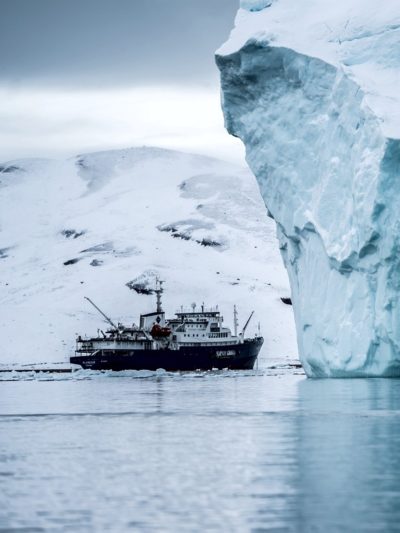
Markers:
101,312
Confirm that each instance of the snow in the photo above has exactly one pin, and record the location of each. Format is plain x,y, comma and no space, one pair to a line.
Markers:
311,88
97,224
255,5
352,35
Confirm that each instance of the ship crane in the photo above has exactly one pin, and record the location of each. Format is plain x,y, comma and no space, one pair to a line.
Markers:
247,323
101,312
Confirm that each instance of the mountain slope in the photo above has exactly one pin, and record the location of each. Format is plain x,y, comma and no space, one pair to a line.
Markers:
104,225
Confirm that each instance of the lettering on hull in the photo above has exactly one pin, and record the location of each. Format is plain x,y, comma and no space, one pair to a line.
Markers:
225,353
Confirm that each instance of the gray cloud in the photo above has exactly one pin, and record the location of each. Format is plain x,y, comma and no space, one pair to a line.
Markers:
112,42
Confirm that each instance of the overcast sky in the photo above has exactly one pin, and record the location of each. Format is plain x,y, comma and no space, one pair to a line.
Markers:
112,42
79,75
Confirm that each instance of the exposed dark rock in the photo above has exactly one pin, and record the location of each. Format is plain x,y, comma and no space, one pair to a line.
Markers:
72,233
71,261
287,301
209,242
5,169
96,263
3,253
140,287
187,235
144,283
81,163
183,236
168,228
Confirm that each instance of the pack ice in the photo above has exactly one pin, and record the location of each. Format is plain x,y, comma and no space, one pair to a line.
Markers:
312,88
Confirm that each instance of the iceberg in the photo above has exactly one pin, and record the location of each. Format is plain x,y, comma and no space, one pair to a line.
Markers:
312,90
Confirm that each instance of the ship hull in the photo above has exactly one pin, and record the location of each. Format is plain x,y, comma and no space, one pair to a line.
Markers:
238,357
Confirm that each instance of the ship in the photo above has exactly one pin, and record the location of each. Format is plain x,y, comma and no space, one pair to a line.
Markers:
194,339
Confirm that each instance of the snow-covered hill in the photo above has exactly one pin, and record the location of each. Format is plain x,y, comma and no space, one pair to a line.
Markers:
104,225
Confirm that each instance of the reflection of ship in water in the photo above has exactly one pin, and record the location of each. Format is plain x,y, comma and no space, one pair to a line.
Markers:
193,339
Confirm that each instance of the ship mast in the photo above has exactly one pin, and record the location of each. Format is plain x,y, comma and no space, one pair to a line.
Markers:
235,320
159,290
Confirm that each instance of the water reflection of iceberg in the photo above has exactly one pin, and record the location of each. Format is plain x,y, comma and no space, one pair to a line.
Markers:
348,455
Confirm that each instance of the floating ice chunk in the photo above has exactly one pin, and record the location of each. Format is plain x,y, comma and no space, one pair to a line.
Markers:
317,108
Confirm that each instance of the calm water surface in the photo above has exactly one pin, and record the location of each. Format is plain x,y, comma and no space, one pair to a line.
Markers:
266,450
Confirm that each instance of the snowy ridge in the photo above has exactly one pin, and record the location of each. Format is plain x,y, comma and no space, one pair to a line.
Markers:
312,90
104,225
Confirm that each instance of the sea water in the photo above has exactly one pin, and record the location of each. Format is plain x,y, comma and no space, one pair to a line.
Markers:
262,450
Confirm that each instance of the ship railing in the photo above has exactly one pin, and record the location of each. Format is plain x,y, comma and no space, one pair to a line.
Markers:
196,310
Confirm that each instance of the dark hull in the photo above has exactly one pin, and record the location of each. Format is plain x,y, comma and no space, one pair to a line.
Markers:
240,356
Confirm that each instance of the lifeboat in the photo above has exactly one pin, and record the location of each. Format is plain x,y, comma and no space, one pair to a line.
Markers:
158,331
